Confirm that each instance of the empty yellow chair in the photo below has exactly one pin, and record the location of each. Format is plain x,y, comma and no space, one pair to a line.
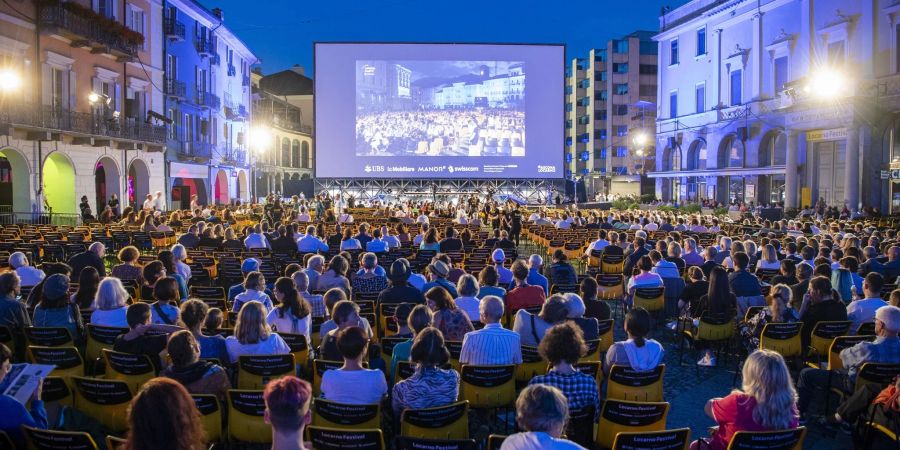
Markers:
106,401
619,416
340,439
66,359
245,417
210,415
654,440
58,440
299,347
130,368
783,338
441,422
99,338
823,334
488,386
255,371
326,413
625,383
768,440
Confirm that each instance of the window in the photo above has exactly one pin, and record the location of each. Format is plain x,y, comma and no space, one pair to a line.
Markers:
621,151
600,134
187,128
106,8
599,153
622,89
647,69
673,52
568,106
736,87
172,115
700,97
600,55
172,66
620,110
601,75
602,95
647,90
569,90
836,53
568,124
780,66
620,67
601,114
620,46
134,19
673,104
304,155
621,130
701,41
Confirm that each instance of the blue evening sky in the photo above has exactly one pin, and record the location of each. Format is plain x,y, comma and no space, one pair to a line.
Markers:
282,32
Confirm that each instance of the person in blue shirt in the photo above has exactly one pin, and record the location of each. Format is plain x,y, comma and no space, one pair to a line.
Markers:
439,271
310,243
14,413
535,263
377,245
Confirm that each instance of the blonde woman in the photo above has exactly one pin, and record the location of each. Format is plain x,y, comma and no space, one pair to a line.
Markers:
253,336
768,259
767,401
779,311
750,249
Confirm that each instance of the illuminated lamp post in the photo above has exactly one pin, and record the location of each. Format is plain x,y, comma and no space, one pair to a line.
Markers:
10,80
260,137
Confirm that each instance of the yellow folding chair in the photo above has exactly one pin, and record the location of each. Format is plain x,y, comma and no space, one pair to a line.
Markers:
48,337
66,359
99,338
130,368
833,360
768,440
326,413
612,264
592,368
299,347
783,338
255,371
210,415
319,368
593,352
340,439
488,386
405,369
679,438
714,332
246,409
651,299
532,365
619,416
606,334
441,422
39,439
57,390
823,334
625,383
417,443
106,401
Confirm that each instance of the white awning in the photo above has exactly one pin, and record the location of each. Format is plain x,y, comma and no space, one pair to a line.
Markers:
182,170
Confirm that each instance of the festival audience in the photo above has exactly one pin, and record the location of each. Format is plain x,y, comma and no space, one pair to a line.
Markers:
163,415
352,383
253,336
430,385
198,377
532,327
542,412
491,345
638,352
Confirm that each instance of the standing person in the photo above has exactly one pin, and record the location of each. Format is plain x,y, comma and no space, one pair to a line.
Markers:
163,415
159,202
542,411
85,208
515,224
113,204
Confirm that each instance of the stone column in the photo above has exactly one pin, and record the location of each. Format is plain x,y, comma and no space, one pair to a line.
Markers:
791,184
851,168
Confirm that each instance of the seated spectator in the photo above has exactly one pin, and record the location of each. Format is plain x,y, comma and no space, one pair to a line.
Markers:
787,273
589,326
335,276
819,305
247,266
153,272
695,288
868,402
198,377
194,314
438,272
110,304
163,415
55,310
862,310
524,294
88,281
662,267
400,291
28,276
778,311
766,402
638,352
535,266
645,278
377,244
316,302
562,347
561,271
673,255
136,341
532,327
310,243
50,268
468,289
594,307
488,281
292,314
14,413
429,385
504,275
352,384
92,257
718,303
894,299
214,321
254,290
710,260
692,256
744,285
799,290
287,411
180,255
542,411
418,319
369,281
492,345
885,348
430,241
252,335
453,322
256,239
129,268
331,299
768,259
168,261
165,292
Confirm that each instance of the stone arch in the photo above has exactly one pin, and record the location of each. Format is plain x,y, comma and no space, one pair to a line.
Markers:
243,186
696,155
138,182
220,189
671,159
772,149
59,183
285,153
732,152
15,190
295,153
106,182
304,155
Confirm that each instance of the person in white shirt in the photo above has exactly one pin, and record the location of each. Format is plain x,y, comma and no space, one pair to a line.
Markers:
542,411
599,244
491,345
148,203
663,268
28,276
293,314
110,305
863,310
352,384
180,254
159,202
254,290
651,226
534,217
303,215
345,217
309,243
422,218
419,237
391,240
253,336
467,288
564,223
256,239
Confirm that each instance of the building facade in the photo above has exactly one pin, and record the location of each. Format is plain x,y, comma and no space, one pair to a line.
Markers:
610,105
207,92
780,101
283,105
80,108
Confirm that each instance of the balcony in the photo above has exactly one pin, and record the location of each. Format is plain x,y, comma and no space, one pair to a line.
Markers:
173,29
236,157
56,119
208,100
215,59
205,47
195,149
174,88
236,112
86,28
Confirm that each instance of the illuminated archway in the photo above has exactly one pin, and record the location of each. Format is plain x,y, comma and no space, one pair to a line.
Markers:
14,173
106,180
138,182
220,191
59,184
243,186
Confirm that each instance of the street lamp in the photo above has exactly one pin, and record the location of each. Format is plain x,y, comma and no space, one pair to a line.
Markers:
9,80
640,139
259,138
826,83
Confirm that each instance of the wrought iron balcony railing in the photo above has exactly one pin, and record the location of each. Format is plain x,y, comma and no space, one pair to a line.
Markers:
173,29
51,118
173,87
86,32
208,100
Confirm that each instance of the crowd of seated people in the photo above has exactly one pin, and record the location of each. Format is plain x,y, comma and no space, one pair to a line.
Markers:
458,287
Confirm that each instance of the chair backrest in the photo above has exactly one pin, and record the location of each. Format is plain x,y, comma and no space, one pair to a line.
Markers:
58,440
210,415
866,328
752,312
455,349
106,401
58,390
606,334
255,371
679,438
625,383
838,345
610,286
337,439
99,338
299,347
331,414
823,333
387,348
495,441
783,338
619,416
768,440
441,422
594,349
532,365
488,386
592,368
877,374
612,264
715,330
114,443
405,369
128,367
580,425
48,336
245,417
417,443
66,359
651,299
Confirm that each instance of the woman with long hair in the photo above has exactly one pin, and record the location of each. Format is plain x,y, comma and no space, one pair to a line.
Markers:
168,260
430,385
768,259
767,401
453,322
253,336
292,315
349,242
163,415
430,241
779,311
719,302
88,281
194,314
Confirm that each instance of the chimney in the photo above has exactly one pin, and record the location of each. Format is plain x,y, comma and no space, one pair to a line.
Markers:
218,13
297,68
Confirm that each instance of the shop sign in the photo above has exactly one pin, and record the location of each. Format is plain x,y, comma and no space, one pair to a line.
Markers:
826,135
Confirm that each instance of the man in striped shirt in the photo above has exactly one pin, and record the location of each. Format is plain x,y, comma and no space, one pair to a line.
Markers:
491,345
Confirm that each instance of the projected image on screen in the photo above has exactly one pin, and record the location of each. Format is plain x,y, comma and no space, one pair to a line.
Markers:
440,108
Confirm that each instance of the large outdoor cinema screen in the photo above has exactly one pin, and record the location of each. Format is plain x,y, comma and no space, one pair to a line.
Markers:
438,110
